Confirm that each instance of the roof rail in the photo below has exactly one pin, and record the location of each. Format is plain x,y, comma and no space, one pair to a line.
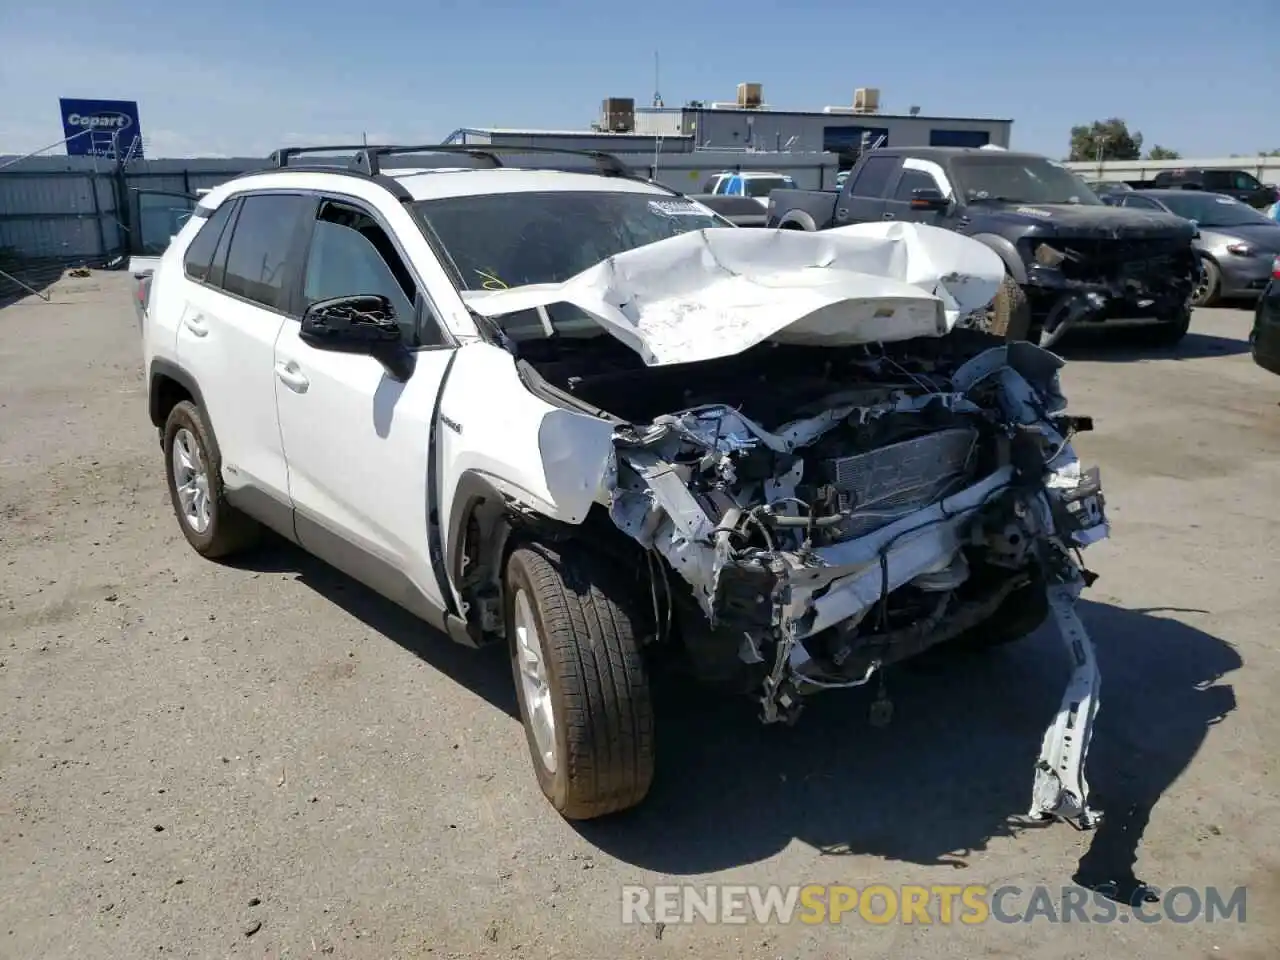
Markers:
369,159
281,157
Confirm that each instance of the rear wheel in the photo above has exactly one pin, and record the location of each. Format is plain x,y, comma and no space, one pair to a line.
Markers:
580,681
211,525
1009,315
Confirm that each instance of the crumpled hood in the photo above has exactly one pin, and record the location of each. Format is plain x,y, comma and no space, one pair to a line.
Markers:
714,293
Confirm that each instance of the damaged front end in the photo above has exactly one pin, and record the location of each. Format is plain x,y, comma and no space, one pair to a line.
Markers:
936,498
1096,279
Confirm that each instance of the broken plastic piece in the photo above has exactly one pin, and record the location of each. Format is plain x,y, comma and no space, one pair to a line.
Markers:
1060,791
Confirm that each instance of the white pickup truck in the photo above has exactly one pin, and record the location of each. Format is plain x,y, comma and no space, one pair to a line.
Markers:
577,414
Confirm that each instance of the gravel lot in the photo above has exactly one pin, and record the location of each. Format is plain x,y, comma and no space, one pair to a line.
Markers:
266,760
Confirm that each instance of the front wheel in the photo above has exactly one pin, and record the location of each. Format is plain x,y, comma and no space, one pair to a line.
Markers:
580,681
1207,287
1170,331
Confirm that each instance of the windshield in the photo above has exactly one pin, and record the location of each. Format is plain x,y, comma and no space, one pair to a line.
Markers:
763,186
1019,180
510,239
1211,210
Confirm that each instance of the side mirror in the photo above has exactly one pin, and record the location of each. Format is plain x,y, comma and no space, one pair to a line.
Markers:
927,198
364,324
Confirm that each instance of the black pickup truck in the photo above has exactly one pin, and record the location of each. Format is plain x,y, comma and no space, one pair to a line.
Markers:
1069,258
1239,184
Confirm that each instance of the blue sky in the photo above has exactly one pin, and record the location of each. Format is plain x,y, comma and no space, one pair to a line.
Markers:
241,77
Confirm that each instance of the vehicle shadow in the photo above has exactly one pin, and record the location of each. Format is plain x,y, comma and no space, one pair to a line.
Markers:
484,672
950,771
1127,344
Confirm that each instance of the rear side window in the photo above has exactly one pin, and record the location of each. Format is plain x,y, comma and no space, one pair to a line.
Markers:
264,237
218,269
874,177
1164,177
200,251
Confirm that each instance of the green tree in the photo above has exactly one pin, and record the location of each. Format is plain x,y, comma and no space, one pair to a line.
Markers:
1163,153
1106,140
1269,153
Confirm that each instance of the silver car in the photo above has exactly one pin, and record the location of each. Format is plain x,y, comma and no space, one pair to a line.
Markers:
1237,243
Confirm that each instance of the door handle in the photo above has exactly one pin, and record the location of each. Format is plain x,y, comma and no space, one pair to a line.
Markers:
195,323
887,216
292,376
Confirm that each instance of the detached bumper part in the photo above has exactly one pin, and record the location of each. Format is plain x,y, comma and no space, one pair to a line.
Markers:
1061,791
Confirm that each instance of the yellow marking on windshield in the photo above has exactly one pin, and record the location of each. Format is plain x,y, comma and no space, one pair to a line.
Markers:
490,281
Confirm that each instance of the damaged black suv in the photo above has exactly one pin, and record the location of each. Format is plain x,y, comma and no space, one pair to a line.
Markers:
1069,258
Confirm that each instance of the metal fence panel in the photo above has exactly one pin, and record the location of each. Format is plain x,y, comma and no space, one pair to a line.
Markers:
62,214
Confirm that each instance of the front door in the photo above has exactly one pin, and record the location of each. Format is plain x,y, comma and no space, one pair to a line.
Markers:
357,441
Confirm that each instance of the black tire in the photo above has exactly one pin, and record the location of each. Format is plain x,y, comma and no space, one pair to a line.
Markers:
1021,614
599,689
1206,292
229,531
1169,332
1010,312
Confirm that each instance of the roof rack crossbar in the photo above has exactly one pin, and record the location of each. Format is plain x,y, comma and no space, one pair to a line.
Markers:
281,157
369,159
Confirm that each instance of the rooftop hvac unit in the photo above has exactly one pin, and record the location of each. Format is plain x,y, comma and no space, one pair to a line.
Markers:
618,114
866,100
750,95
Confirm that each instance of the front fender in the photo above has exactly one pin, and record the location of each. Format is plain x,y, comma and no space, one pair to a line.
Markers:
501,444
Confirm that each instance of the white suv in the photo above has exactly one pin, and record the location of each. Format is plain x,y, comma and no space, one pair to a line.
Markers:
580,414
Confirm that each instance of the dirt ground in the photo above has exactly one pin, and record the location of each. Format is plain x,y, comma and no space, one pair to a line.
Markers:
265,760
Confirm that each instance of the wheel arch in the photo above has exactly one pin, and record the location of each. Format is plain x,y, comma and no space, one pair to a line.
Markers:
168,385
484,528
1006,251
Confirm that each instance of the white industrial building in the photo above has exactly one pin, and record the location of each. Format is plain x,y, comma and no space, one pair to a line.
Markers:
748,124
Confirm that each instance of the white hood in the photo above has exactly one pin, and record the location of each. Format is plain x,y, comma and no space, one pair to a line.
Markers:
714,293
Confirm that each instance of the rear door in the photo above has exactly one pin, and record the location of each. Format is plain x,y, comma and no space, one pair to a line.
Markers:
867,191
227,334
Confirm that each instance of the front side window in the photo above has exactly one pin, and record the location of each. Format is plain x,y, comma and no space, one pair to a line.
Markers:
911,181
351,255
263,238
